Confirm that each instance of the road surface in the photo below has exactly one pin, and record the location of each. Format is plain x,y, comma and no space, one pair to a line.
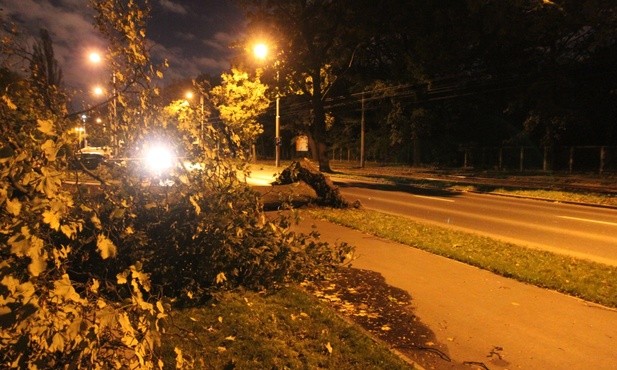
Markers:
580,231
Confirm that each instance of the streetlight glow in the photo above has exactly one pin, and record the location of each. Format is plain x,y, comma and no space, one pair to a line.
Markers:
95,57
189,95
260,50
98,91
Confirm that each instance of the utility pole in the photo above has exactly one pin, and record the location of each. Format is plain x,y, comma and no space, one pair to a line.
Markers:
362,135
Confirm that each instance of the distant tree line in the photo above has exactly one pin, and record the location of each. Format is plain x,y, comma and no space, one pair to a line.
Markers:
436,76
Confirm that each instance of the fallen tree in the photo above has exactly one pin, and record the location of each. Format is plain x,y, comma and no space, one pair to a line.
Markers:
305,171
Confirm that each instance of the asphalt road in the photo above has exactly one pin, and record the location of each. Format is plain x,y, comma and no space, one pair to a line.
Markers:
581,231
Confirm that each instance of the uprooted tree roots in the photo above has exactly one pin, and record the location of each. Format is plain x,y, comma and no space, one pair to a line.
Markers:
304,170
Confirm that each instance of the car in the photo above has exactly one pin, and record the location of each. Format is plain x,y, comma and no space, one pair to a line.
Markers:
90,157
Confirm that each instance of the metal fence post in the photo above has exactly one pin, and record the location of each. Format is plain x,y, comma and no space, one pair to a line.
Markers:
522,159
602,159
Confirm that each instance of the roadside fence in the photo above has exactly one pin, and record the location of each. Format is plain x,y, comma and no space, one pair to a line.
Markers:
596,159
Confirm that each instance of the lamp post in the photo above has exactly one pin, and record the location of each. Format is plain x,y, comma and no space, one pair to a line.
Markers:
189,95
79,131
85,135
95,58
261,52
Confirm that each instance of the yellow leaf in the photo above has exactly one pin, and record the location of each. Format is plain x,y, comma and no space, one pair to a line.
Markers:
329,347
125,323
221,278
179,358
96,221
46,126
37,265
49,148
193,200
95,286
122,277
106,247
9,102
13,206
64,288
38,257
52,219
57,343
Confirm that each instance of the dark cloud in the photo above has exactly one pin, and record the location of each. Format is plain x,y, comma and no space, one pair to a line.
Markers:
173,7
192,35
69,25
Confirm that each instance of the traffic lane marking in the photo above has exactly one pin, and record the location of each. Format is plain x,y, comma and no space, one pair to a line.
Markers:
589,220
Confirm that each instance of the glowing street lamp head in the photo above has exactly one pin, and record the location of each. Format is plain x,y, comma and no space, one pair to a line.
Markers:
158,158
189,95
260,50
98,91
95,57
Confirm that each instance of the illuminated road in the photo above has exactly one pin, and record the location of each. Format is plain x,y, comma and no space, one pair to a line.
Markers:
581,231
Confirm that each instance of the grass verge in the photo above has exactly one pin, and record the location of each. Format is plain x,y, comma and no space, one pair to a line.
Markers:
285,329
588,280
561,196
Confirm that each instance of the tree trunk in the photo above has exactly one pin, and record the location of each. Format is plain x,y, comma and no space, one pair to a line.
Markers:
319,154
325,189
417,152
324,160
318,127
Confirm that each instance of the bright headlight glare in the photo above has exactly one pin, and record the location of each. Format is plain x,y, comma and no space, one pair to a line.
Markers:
158,159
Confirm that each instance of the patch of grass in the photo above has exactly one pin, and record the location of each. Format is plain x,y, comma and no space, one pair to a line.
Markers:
561,196
286,329
589,280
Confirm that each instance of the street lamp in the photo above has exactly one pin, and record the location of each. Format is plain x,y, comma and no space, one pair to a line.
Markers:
79,130
98,91
95,58
189,96
261,52
83,118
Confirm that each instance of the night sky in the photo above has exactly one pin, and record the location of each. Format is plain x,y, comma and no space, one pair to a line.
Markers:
193,35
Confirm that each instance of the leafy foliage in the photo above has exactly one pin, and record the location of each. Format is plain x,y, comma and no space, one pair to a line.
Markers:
86,272
239,101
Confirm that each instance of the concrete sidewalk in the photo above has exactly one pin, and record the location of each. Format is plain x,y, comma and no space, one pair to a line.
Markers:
483,317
